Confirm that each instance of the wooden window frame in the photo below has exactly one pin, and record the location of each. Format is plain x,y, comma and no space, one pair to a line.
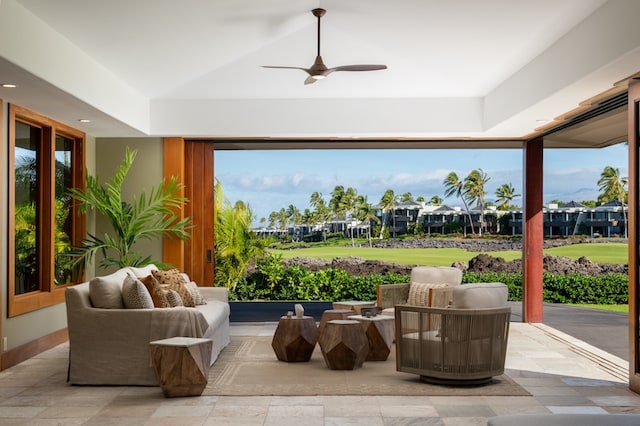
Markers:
48,294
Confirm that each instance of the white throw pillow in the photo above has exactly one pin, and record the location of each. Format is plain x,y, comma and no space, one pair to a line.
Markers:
135,295
106,291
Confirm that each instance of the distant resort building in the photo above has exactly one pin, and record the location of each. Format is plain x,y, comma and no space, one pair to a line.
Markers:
572,218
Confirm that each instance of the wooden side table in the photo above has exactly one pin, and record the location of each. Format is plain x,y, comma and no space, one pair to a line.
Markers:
334,314
354,305
380,332
344,345
182,365
295,338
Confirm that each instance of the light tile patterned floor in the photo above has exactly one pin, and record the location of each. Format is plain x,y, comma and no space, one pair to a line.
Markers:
563,375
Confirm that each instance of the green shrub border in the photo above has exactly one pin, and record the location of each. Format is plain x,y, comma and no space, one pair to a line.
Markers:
272,281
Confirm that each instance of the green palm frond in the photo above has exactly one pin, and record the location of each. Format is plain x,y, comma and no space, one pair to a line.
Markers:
148,216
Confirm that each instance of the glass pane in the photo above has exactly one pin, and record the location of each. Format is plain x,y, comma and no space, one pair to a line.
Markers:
27,207
63,209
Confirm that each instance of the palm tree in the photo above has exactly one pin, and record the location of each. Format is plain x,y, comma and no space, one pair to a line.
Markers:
281,218
612,187
321,212
366,213
295,218
474,192
453,186
235,241
387,204
335,203
435,201
420,199
406,197
504,195
349,202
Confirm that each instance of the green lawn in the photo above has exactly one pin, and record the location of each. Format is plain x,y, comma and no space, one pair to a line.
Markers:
613,308
615,253
599,253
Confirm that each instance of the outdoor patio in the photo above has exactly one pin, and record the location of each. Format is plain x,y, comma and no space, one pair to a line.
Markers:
562,374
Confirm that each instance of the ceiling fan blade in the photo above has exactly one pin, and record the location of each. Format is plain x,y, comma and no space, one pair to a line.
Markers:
286,68
359,68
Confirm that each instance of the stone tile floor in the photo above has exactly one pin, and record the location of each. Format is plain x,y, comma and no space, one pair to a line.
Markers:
563,375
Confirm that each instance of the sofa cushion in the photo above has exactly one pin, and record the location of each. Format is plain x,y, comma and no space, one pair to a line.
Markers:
142,271
135,295
106,291
419,293
175,281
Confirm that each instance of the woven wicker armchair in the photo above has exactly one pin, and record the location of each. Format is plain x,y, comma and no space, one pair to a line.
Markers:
390,295
463,344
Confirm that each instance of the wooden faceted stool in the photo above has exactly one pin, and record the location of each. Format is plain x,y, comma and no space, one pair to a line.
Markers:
295,339
380,332
354,305
334,314
344,345
182,365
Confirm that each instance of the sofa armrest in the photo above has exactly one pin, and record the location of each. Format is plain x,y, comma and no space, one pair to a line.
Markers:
215,293
389,295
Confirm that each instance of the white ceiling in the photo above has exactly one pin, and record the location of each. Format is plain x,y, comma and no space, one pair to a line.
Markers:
457,68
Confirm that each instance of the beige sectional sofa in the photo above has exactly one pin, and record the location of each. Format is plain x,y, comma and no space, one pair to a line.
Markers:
111,346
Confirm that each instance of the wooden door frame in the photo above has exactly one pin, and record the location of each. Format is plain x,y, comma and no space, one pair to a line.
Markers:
633,123
192,163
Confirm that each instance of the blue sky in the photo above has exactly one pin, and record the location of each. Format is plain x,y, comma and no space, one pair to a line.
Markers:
270,180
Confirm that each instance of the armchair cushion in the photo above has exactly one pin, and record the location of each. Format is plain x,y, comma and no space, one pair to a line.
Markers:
479,295
436,274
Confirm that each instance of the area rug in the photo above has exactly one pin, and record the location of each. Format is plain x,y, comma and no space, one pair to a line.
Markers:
249,367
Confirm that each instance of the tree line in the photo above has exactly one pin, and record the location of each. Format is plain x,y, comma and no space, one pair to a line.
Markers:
346,203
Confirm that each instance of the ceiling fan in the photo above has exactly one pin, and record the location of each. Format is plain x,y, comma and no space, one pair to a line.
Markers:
319,70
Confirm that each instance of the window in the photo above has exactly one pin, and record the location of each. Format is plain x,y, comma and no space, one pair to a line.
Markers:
46,158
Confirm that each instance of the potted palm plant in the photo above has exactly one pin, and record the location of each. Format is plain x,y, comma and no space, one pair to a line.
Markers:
148,216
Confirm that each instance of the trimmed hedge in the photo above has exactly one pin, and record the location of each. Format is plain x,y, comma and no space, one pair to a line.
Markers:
274,282
611,289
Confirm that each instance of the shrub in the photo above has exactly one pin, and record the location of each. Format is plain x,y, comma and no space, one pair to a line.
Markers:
273,281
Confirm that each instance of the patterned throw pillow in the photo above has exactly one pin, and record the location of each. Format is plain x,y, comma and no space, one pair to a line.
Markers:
158,296
174,280
419,293
173,298
135,295
195,292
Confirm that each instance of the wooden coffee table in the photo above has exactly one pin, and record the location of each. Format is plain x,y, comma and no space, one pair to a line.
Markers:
354,305
380,332
344,345
334,314
182,365
295,338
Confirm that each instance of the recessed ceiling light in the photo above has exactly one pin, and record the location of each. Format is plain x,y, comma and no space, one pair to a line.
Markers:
9,85
542,121
84,120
